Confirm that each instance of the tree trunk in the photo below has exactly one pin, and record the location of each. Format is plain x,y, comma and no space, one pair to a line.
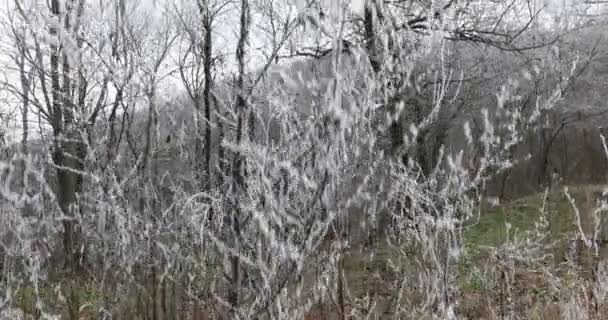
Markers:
370,36
207,65
63,133
238,166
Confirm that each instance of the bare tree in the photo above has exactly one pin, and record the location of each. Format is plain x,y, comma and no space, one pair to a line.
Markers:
333,122
196,68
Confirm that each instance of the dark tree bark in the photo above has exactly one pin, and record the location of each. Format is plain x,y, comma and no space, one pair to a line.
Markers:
207,57
63,133
207,65
238,165
370,35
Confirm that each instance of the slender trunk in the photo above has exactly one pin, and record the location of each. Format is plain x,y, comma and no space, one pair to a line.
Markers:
68,183
25,86
154,287
546,145
163,300
370,36
64,190
173,307
341,297
207,64
221,153
72,145
238,167
251,126
199,157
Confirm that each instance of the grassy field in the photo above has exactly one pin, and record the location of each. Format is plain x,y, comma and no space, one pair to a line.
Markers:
483,290
538,288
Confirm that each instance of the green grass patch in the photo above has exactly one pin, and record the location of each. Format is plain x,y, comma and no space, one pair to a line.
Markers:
53,298
522,214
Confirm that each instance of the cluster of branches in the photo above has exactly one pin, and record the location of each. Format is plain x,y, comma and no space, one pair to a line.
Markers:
245,191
